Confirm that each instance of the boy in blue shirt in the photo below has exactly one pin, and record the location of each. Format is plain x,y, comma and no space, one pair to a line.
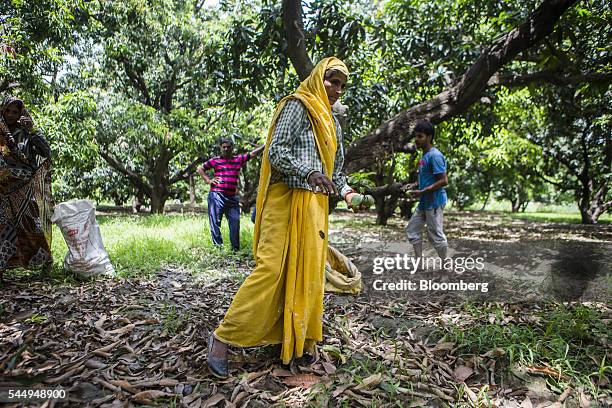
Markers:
432,180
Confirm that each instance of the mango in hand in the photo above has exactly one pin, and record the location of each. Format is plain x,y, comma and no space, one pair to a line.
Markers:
368,201
356,201
361,201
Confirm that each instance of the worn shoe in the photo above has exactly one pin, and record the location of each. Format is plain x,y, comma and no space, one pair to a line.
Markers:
307,359
218,366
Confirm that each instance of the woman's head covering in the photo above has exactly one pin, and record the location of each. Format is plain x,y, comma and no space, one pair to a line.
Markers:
9,100
311,93
313,85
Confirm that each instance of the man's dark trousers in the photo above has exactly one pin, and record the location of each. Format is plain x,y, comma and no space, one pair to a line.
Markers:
219,204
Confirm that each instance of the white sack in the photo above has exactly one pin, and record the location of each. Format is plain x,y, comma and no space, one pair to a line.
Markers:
86,254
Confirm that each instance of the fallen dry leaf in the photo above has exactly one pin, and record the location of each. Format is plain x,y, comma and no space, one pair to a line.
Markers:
495,353
461,373
443,346
564,395
302,380
147,397
122,330
281,372
329,367
253,376
214,400
472,397
584,400
544,370
124,385
370,382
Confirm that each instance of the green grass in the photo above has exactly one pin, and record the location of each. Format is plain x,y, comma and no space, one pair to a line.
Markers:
567,212
573,218
569,339
141,245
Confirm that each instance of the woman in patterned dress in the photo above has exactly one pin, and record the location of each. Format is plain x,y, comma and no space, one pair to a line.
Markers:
25,191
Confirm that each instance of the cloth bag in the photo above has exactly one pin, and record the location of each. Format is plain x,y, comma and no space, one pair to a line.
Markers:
86,254
341,275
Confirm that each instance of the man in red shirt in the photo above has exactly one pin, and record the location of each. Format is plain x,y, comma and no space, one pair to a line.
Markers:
222,198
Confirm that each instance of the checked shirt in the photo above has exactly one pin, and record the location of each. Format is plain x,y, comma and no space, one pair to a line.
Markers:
293,151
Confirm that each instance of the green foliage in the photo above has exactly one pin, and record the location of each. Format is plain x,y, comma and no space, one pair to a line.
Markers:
153,84
34,37
164,88
567,338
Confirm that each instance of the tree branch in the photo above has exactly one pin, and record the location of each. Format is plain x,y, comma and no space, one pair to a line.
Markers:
563,161
184,174
557,184
552,77
187,171
6,84
132,176
296,40
137,82
456,100
394,188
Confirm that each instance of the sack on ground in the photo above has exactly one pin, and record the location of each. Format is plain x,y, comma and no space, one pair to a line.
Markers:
341,275
86,254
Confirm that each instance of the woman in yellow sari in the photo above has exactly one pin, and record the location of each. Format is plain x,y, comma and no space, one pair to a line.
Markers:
281,302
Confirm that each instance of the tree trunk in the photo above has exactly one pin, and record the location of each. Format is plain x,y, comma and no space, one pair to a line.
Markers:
514,205
598,206
584,199
137,202
158,200
296,39
248,195
486,201
524,205
380,211
385,207
192,194
406,207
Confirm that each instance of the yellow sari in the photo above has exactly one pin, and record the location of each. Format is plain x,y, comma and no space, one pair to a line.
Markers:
282,300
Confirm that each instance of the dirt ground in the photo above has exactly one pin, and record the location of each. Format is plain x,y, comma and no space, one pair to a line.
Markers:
118,343
538,260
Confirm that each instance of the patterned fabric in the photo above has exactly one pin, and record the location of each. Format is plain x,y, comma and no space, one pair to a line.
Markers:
25,199
228,170
293,152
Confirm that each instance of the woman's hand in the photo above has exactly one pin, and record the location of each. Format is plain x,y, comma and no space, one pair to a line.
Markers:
27,123
316,179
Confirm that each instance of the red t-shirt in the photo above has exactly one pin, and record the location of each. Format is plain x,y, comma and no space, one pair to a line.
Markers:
228,170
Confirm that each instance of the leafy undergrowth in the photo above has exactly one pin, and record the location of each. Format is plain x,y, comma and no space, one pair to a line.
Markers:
142,342
568,344
141,339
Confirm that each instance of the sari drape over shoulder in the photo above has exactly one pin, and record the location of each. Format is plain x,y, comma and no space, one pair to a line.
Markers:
282,300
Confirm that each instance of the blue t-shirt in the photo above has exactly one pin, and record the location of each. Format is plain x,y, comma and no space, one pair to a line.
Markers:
432,163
